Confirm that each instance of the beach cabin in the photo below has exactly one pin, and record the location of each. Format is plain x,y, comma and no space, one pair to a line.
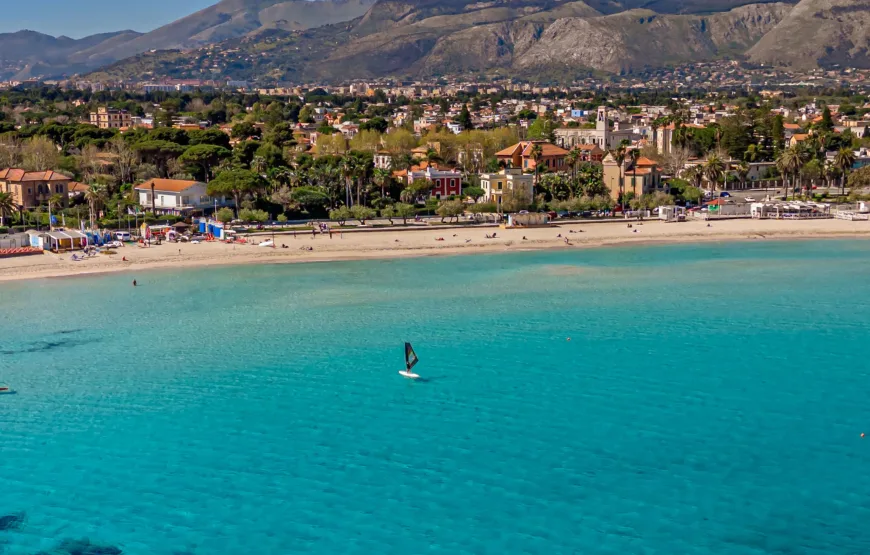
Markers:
58,241
528,219
208,226
672,213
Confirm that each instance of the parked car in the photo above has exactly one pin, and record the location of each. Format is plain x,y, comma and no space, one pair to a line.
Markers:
724,194
123,236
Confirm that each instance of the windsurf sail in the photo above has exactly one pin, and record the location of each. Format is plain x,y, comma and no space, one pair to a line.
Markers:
411,359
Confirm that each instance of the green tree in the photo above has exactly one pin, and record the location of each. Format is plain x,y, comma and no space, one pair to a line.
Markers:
789,164
225,215
211,136
714,171
170,134
777,133
827,123
249,215
450,209
159,153
306,115
362,213
235,183
204,157
843,162
473,192
244,130
464,119
341,215
377,124
310,198
7,206
542,129
405,211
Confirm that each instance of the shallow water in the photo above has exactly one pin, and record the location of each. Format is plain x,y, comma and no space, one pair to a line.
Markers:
710,400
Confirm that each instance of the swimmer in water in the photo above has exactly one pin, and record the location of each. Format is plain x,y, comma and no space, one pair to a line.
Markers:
134,283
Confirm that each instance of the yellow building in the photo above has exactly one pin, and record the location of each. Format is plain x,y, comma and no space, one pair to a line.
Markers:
495,185
641,178
108,118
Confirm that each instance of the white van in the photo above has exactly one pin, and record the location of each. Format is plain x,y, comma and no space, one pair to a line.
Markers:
123,236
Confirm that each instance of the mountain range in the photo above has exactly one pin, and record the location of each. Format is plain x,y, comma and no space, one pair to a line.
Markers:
336,40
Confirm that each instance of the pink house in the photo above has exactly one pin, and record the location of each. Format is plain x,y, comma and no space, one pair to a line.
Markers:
444,182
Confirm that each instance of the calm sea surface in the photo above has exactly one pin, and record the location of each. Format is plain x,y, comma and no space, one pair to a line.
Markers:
710,401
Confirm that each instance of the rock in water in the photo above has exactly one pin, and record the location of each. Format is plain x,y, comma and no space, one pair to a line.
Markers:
11,522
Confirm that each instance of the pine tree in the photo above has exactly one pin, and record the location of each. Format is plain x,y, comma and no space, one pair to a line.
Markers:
464,118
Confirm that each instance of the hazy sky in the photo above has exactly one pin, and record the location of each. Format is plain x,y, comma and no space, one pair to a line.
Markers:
79,18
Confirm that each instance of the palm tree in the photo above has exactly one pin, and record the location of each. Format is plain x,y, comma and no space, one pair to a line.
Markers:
348,169
537,153
7,205
714,170
381,177
96,195
619,156
804,155
843,161
53,202
752,153
572,158
633,155
788,163
742,171
695,175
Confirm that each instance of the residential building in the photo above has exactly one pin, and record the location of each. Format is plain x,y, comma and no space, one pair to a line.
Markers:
31,189
590,153
445,183
520,155
383,160
109,118
642,178
513,180
178,196
602,136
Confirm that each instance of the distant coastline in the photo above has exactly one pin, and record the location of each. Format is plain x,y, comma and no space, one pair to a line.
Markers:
426,242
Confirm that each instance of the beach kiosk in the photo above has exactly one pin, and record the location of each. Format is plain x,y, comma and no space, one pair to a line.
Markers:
58,241
528,219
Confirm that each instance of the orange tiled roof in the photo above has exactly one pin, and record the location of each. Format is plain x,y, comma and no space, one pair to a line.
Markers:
167,185
16,174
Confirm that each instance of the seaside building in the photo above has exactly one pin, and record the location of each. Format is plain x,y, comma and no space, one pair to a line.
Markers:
642,177
178,196
31,189
108,118
521,155
512,180
445,183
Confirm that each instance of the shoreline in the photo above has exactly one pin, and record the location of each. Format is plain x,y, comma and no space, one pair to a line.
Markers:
387,245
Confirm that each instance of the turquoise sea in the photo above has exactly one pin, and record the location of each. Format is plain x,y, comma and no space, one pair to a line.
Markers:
710,401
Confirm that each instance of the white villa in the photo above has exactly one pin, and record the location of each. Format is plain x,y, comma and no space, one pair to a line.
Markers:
178,196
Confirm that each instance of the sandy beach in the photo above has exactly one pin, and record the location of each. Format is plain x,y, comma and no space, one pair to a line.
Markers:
424,241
